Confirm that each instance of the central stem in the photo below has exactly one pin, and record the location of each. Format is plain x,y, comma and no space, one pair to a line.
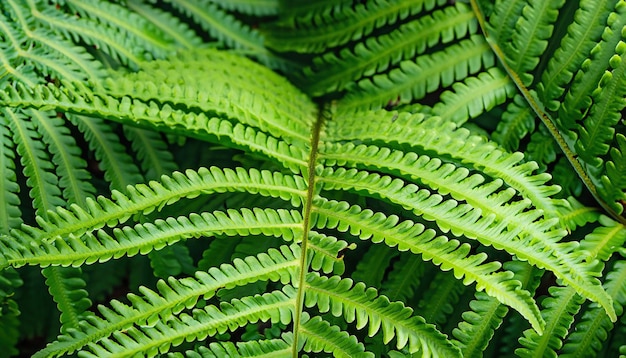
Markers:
323,114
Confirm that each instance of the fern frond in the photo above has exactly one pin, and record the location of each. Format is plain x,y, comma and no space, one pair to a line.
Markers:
119,167
143,199
474,96
332,72
10,212
112,42
316,27
403,280
373,265
613,180
449,254
503,19
267,348
529,40
581,36
439,299
327,253
412,80
38,168
71,168
159,117
151,151
67,287
111,15
434,135
252,7
478,325
577,100
321,336
365,307
175,295
223,26
598,131
143,238
558,311
165,82
171,26
275,307
517,121
591,332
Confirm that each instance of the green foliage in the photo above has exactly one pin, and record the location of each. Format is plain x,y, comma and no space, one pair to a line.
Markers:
333,178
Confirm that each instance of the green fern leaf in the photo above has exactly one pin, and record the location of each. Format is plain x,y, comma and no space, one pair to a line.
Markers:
591,332
412,80
440,298
474,96
134,27
10,213
613,181
598,127
332,72
356,303
38,168
118,166
321,336
223,26
71,168
175,295
449,254
315,27
581,36
529,40
268,348
149,341
577,100
517,121
475,332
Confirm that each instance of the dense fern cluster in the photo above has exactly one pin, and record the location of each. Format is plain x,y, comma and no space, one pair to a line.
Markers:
380,178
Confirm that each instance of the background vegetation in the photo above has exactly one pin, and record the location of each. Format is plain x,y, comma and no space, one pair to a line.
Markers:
336,177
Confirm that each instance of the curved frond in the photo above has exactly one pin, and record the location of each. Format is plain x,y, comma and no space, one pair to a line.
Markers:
71,168
581,36
144,199
313,28
436,137
38,167
412,80
449,254
322,336
10,213
529,40
479,324
149,341
365,307
119,167
143,238
474,96
591,332
175,295
332,72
